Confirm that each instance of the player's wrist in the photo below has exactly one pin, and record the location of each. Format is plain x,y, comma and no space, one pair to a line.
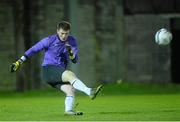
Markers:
22,59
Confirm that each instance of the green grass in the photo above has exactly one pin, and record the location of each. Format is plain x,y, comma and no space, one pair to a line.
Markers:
116,102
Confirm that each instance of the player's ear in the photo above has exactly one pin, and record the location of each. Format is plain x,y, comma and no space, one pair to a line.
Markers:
57,31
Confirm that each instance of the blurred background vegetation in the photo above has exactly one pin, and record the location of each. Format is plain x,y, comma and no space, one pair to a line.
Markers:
116,40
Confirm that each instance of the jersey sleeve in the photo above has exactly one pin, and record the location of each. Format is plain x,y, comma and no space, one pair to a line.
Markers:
43,44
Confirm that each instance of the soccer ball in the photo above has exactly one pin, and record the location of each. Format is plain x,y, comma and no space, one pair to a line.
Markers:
163,37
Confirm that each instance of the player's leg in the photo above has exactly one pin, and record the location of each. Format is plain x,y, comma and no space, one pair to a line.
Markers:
69,100
52,75
69,76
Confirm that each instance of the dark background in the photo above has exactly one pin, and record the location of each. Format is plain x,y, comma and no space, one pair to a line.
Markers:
116,39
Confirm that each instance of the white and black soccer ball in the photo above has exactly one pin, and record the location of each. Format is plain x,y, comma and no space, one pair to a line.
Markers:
163,37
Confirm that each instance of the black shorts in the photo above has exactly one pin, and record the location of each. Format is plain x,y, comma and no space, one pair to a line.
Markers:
52,75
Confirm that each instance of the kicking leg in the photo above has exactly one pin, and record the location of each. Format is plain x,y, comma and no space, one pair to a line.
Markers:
69,76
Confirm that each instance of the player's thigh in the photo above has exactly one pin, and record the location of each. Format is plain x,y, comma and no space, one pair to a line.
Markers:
68,89
68,76
52,74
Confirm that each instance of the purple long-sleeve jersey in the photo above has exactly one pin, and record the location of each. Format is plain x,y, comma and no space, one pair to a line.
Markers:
55,50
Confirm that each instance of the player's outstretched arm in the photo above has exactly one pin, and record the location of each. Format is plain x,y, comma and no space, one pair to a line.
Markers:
15,66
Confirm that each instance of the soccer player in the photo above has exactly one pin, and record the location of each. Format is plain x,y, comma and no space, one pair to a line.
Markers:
59,50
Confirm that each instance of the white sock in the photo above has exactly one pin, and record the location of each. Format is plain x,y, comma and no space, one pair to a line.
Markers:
79,85
69,102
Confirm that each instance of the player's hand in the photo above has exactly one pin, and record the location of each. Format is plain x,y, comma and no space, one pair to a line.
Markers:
15,66
70,52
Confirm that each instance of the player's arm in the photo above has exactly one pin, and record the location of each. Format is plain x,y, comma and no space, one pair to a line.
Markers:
72,51
34,49
43,44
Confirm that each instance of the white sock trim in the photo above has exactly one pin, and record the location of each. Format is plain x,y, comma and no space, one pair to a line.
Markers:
79,85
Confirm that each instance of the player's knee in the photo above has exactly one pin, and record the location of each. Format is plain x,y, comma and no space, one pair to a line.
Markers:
68,76
71,92
68,90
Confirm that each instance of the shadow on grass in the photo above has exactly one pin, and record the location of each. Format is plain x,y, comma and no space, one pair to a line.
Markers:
137,112
125,112
171,110
141,88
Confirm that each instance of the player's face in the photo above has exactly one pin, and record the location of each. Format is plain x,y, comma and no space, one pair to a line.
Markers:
62,34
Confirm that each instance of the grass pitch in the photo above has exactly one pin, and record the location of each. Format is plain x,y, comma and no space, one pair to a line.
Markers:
116,102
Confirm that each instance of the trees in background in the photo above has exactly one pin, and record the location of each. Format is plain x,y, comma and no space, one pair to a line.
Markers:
28,20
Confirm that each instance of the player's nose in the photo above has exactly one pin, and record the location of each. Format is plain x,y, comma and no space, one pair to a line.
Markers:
64,36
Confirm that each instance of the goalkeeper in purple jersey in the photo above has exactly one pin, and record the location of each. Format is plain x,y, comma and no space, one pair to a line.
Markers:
59,50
